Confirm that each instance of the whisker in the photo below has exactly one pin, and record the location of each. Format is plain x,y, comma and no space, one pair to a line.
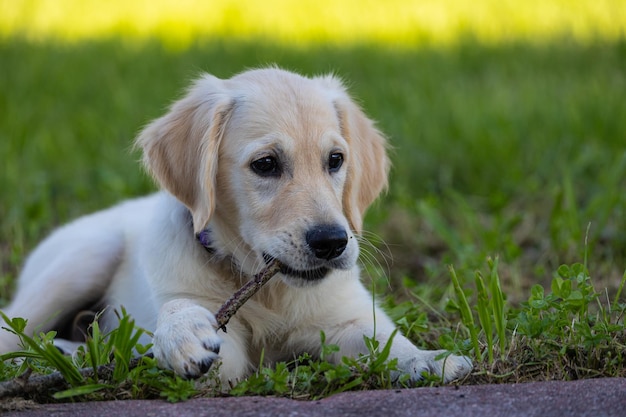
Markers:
370,240
371,255
375,240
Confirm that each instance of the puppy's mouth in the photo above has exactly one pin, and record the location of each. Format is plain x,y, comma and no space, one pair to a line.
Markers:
307,275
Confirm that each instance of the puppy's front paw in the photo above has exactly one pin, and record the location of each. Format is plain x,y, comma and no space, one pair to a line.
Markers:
449,367
185,339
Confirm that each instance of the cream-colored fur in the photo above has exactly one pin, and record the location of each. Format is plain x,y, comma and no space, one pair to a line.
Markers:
271,165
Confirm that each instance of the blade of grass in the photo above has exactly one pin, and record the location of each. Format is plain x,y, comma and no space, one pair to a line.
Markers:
466,312
619,291
497,303
483,306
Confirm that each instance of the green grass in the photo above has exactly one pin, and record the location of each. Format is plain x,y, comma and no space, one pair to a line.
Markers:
509,162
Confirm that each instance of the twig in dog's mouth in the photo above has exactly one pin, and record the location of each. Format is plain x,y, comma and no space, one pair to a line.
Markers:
238,299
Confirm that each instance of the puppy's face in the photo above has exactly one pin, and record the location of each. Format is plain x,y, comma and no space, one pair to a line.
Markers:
276,165
282,174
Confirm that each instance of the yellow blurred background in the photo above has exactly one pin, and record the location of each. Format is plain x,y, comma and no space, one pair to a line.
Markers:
404,23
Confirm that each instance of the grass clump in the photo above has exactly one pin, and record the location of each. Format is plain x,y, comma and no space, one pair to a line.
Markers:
574,330
567,333
309,378
108,366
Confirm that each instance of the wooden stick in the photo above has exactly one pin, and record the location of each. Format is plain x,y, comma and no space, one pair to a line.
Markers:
234,303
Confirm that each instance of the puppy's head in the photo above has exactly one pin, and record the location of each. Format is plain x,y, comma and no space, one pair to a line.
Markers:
275,164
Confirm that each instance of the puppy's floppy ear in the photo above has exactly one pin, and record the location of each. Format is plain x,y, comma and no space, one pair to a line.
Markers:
368,164
180,149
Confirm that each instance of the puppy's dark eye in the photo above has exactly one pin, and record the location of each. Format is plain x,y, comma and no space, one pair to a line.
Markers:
266,167
335,160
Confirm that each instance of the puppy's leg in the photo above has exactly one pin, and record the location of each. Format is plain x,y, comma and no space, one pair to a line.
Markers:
414,361
187,342
68,270
185,339
355,318
411,360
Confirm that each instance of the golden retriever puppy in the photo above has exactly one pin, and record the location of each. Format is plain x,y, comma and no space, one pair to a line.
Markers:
268,164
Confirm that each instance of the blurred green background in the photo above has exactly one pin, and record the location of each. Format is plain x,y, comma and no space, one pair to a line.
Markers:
507,118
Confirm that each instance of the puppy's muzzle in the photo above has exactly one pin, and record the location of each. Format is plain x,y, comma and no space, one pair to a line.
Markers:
327,241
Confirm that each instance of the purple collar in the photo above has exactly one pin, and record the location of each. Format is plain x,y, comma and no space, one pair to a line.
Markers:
204,237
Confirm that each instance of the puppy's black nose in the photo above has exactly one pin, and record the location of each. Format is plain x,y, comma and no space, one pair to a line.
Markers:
327,241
